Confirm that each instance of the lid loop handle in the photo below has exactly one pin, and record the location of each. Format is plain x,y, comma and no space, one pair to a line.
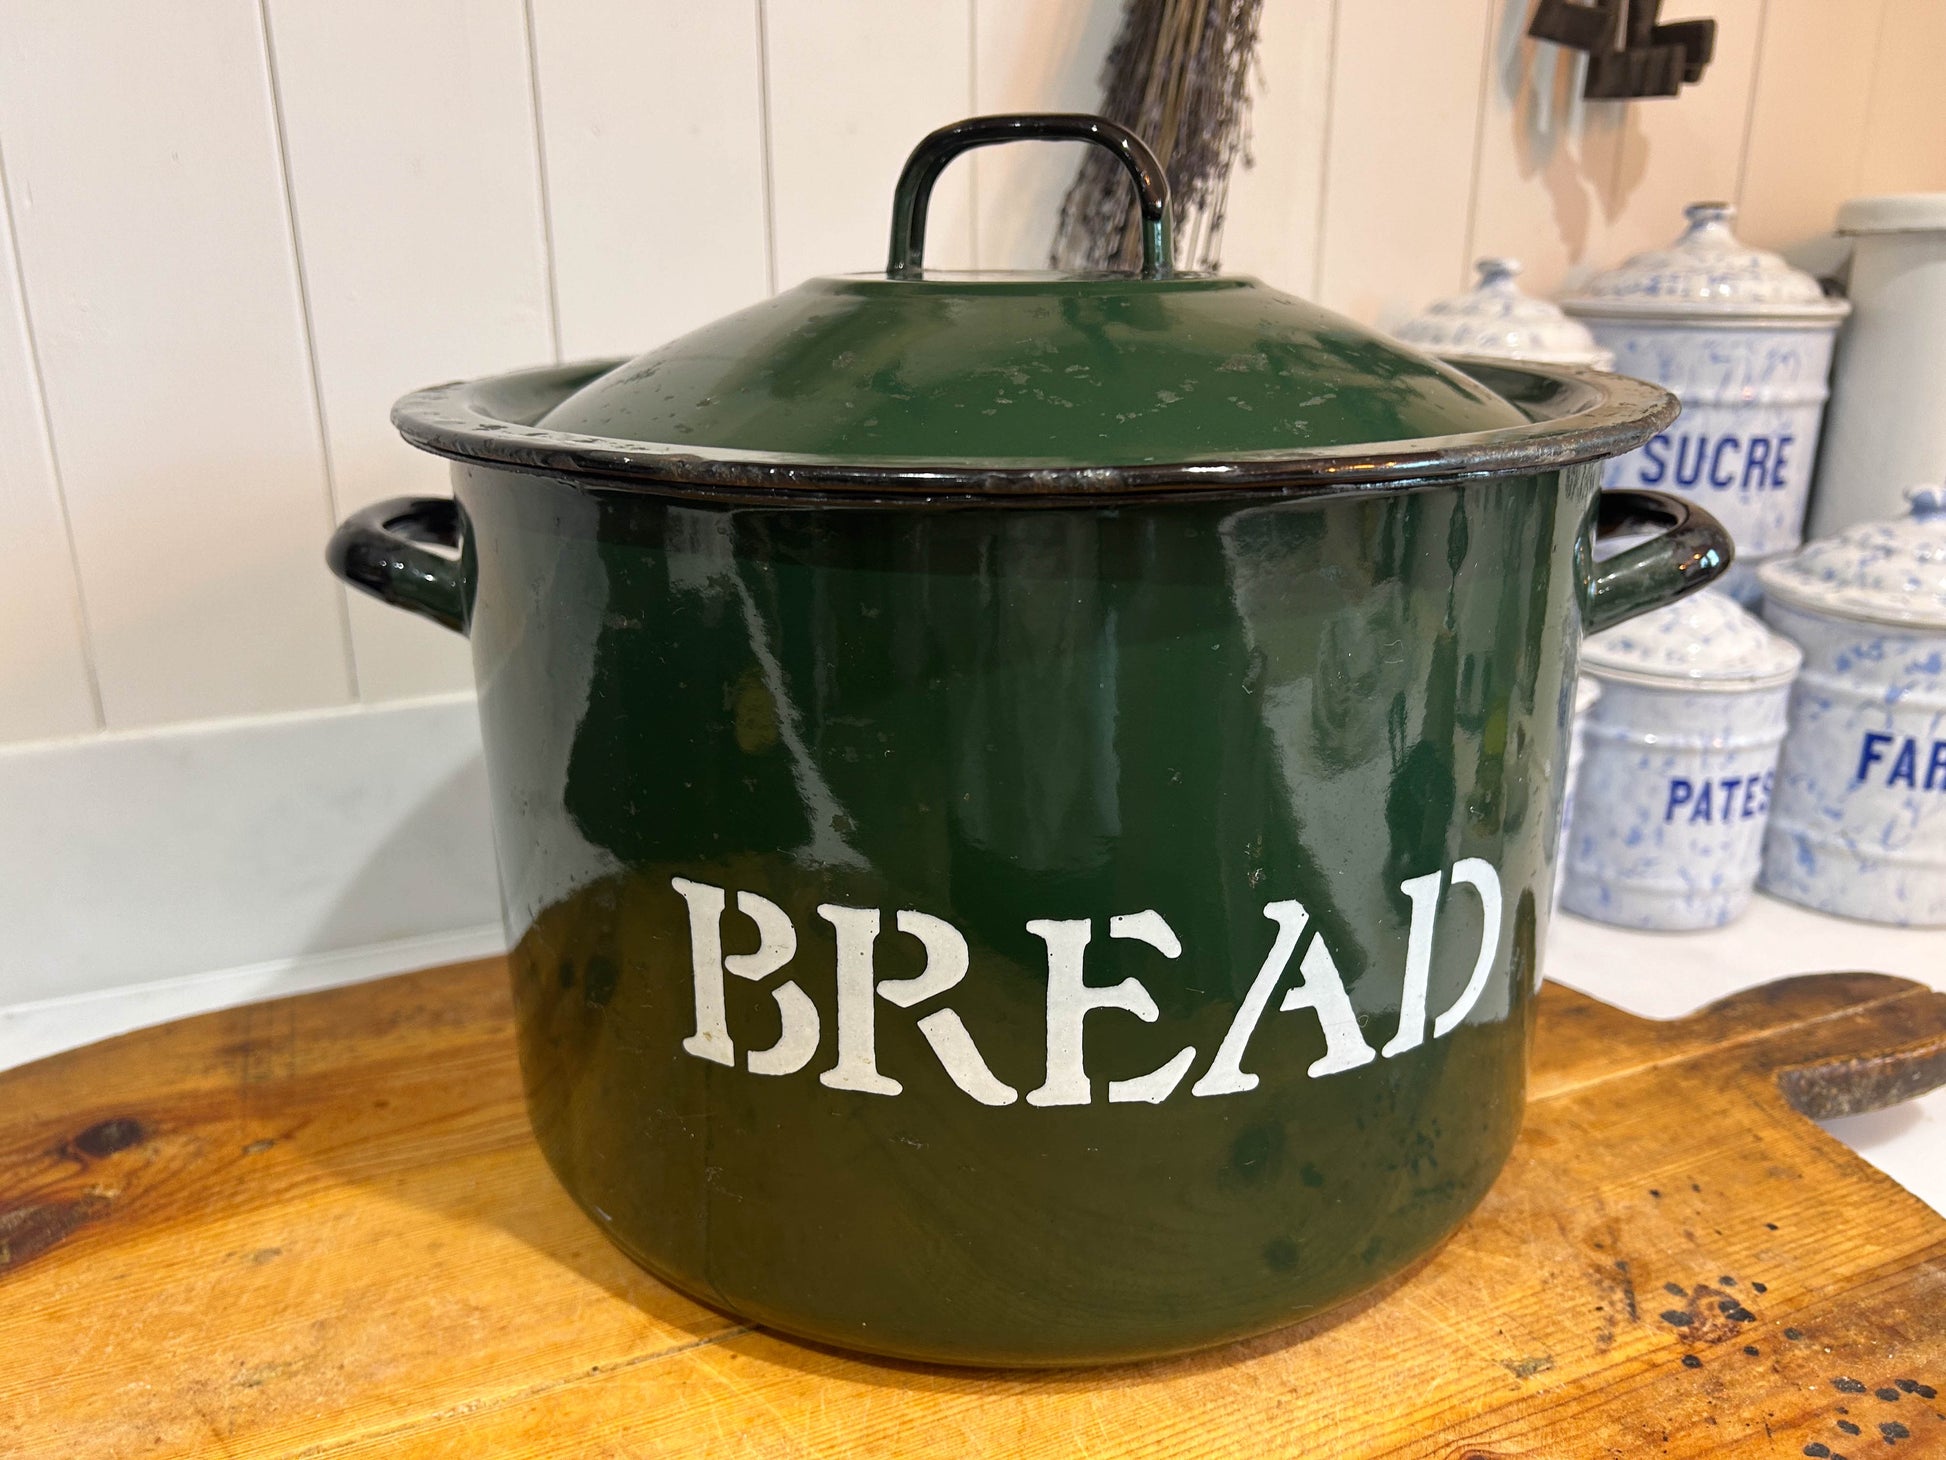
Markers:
929,159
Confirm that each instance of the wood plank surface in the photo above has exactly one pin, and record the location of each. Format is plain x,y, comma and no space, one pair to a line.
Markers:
319,1227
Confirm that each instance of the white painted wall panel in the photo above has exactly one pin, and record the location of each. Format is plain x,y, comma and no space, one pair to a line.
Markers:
1571,186
1276,204
1544,174
168,853
1905,129
656,190
179,423
1686,149
1401,111
1033,56
154,241
853,85
415,185
1807,119
45,688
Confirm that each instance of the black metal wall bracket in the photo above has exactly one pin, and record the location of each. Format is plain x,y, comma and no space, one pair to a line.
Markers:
1630,51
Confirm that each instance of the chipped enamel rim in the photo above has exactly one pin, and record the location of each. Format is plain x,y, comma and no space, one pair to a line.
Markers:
1576,415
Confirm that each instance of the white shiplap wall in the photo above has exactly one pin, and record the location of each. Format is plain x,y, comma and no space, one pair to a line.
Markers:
407,135
234,230
151,223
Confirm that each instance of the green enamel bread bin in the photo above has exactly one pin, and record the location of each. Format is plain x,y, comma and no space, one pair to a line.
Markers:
1027,803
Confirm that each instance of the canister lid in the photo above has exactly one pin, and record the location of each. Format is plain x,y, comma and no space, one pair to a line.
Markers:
1705,641
1498,318
1708,272
1894,213
1880,572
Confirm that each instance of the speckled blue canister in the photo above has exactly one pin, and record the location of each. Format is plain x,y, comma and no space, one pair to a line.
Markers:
1498,319
1745,340
1681,761
1587,691
1860,821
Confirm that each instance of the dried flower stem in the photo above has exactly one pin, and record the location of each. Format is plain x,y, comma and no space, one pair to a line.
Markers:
1177,77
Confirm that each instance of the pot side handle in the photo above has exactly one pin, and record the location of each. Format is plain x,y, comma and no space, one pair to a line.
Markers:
377,550
1691,552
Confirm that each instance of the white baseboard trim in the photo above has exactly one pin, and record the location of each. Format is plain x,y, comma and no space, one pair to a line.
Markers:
142,859
33,1031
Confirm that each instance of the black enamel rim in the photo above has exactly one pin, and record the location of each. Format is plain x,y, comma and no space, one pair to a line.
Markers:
1576,415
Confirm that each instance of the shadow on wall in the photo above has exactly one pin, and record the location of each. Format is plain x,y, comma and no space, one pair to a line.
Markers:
1588,156
424,877
246,846
148,876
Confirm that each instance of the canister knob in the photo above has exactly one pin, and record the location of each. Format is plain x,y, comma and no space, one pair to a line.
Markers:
1926,501
1704,215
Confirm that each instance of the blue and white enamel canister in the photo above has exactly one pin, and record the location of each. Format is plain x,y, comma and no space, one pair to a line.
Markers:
1681,760
1587,692
1499,319
1860,822
1745,341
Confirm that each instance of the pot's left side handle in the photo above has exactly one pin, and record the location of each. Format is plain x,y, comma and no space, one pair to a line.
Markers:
377,550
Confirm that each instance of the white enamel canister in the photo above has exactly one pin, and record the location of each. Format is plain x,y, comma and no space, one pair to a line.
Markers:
1859,827
1498,319
1668,820
1744,340
1587,692
1886,426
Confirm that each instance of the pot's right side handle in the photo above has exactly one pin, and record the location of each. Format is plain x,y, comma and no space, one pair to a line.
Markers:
377,550
1690,551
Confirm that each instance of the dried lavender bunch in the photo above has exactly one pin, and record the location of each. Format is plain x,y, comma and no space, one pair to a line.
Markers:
1177,77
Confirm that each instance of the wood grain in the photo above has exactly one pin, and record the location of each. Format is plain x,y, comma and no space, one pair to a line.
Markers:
319,1227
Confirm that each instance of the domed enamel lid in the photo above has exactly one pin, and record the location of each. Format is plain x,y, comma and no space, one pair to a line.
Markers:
1498,318
1708,272
918,383
1880,572
1704,641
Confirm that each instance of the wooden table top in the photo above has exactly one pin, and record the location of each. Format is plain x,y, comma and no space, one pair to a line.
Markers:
320,1227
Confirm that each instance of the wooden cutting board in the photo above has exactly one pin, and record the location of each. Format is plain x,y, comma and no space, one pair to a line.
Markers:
319,1227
